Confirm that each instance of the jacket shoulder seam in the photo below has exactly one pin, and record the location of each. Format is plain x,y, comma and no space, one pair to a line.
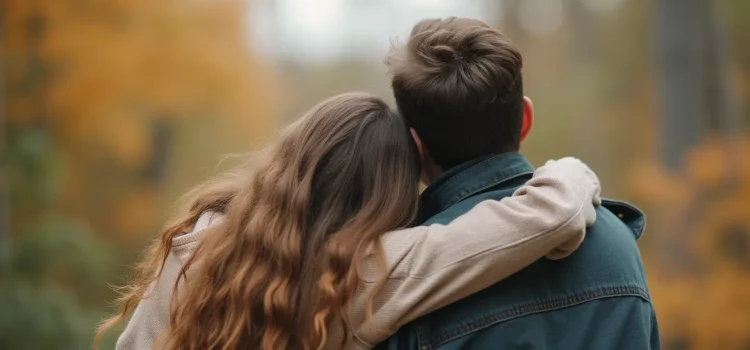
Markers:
535,307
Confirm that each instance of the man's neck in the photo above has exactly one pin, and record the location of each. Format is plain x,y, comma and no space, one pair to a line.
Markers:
428,179
471,178
431,172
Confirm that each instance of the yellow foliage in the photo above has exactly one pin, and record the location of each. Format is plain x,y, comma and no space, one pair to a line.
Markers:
127,137
101,74
653,181
707,165
707,310
157,59
137,211
707,304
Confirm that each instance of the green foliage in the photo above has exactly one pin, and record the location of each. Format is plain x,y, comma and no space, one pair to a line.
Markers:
42,318
52,268
96,98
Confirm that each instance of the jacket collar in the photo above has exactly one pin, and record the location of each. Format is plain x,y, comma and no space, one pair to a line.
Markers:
478,175
471,178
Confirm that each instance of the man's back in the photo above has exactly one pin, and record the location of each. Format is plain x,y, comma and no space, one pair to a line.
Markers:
458,84
595,299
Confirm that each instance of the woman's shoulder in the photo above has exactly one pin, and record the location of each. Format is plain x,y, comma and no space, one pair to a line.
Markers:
187,242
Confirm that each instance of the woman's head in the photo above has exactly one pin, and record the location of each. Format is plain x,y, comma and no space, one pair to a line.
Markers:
349,156
286,259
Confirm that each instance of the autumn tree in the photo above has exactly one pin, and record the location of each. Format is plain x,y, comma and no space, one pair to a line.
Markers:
696,184
103,101
107,82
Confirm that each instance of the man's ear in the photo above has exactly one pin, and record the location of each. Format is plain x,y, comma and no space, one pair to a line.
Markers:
424,157
528,117
418,141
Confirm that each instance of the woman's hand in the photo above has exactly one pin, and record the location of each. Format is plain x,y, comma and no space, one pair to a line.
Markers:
587,182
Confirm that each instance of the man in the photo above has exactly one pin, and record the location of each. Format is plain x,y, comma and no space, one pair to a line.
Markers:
458,85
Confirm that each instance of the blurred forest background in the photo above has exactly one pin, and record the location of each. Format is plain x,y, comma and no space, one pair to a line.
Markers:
111,109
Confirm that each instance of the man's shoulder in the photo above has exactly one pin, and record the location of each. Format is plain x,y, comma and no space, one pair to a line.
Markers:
613,214
607,265
610,244
630,217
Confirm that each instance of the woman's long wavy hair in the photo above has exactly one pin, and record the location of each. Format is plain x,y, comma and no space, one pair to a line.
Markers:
280,269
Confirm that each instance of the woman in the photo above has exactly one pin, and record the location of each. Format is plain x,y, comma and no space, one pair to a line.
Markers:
308,251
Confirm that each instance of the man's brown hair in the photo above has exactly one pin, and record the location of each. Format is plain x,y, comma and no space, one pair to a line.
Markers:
458,83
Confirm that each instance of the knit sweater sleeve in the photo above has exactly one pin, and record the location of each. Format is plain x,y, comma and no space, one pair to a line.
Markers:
433,266
151,317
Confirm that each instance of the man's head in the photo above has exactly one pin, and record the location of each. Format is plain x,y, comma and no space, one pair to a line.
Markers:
458,84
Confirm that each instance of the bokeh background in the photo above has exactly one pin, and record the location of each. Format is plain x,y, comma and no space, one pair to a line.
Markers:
111,109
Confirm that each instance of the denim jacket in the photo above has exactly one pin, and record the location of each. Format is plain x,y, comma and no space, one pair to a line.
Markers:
596,298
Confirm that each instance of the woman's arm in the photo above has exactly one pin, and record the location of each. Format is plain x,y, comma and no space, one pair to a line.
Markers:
151,317
433,266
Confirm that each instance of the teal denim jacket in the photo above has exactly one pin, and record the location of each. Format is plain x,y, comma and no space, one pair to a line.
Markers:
596,298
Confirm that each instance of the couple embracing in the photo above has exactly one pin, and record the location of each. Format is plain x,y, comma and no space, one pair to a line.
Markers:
323,241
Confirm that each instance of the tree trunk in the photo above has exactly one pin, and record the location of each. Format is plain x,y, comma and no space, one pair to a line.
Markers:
4,185
584,33
682,44
723,116
696,98
511,25
162,134
681,47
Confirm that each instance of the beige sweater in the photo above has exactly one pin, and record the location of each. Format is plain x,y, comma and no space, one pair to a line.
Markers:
430,266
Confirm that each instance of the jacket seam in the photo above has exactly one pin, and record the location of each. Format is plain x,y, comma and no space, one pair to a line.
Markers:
531,308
